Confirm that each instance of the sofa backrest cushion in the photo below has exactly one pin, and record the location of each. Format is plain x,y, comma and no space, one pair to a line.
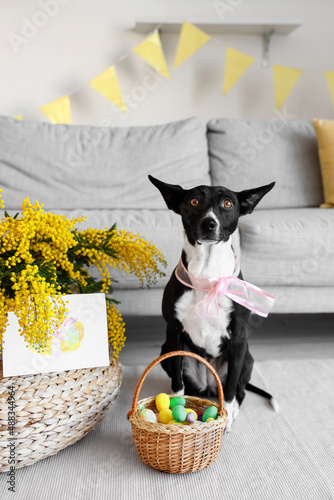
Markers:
249,153
79,166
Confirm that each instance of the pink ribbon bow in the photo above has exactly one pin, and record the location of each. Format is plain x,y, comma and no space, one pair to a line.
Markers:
250,296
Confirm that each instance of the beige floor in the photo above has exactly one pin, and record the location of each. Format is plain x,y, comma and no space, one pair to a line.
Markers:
278,337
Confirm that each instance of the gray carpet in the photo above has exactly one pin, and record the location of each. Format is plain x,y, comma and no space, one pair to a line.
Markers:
268,455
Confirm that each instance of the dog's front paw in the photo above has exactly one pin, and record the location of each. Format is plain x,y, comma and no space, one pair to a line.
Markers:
232,409
179,393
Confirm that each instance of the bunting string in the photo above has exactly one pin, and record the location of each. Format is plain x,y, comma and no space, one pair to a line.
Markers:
151,51
235,66
284,81
107,85
191,40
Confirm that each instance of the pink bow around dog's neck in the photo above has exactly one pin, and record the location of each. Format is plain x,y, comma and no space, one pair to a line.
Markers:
234,288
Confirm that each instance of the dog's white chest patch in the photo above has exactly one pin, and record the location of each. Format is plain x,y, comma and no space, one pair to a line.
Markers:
206,261
204,332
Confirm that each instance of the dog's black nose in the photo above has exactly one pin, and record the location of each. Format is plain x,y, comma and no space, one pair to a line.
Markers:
208,224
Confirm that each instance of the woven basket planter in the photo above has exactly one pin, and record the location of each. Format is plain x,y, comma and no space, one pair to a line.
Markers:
178,448
54,410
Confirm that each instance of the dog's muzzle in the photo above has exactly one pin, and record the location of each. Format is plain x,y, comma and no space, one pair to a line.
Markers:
209,225
208,229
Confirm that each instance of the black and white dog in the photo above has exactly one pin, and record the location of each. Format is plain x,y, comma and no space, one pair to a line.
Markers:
210,216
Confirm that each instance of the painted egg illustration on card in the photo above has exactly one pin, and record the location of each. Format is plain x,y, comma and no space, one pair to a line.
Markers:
72,336
67,338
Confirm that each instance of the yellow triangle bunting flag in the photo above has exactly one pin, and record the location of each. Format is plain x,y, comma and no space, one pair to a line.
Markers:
191,39
284,81
107,85
58,111
235,66
330,82
151,51
18,117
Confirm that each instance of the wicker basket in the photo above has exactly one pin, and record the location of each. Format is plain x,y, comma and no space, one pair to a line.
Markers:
54,410
175,448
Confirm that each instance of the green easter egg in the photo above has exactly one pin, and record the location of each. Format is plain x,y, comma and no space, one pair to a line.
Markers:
179,413
177,401
210,412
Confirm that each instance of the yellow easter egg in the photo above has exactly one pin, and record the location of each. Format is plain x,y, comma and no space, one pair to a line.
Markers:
165,416
162,401
210,419
174,422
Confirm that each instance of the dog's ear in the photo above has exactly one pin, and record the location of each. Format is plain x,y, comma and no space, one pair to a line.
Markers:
172,194
249,198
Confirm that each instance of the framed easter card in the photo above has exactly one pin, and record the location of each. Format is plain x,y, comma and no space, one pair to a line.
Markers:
81,341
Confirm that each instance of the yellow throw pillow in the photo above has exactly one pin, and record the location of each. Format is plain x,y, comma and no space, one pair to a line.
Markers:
325,134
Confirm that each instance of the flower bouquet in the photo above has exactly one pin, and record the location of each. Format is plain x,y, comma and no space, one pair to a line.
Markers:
42,258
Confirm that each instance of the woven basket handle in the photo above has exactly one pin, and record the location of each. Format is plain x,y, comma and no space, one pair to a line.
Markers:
170,355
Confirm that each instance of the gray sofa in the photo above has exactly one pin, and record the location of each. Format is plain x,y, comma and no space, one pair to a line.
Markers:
286,246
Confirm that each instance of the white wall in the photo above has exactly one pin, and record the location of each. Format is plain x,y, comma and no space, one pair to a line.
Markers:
85,37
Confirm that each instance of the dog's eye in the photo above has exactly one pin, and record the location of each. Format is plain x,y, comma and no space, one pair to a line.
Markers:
194,202
227,204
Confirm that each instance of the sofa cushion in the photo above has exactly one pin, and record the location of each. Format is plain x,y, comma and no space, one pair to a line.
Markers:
325,134
296,299
288,247
74,166
249,153
161,227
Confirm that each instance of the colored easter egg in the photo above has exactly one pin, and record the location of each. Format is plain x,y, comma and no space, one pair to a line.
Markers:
210,419
165,416
191,416
71,337
148,415
212,412
140,409
177,401
174,422
179,413
162,401
199,416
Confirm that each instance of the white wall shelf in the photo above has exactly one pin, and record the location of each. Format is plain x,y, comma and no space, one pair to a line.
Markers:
266,29
168,25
